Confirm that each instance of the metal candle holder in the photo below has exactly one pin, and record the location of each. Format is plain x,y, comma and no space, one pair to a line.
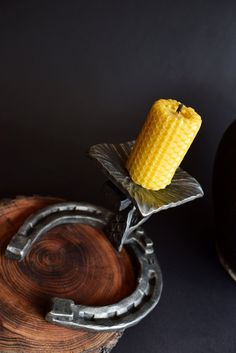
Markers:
123,228
138,203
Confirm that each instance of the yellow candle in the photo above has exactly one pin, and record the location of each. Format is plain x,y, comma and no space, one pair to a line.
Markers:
166,136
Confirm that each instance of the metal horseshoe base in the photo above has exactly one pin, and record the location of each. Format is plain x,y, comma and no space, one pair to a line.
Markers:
64,312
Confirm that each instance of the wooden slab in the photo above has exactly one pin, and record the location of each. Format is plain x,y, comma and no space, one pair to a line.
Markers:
72,261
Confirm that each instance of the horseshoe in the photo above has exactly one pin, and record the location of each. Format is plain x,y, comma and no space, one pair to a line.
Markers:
119,316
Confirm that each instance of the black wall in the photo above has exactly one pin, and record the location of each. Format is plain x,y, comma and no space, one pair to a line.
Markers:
76,73
80,72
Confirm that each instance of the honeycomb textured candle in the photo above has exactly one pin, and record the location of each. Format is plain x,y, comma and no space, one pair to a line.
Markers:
166,136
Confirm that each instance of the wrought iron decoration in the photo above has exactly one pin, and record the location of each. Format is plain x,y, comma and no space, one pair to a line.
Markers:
138,203
123,228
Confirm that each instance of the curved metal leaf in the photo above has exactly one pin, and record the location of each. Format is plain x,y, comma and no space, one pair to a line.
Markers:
112,158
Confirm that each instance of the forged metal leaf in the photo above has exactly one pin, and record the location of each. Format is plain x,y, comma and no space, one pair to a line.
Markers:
112,158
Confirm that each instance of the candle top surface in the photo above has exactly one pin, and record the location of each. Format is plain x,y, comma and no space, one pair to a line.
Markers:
173,109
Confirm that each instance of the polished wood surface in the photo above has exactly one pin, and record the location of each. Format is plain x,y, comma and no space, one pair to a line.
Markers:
71,261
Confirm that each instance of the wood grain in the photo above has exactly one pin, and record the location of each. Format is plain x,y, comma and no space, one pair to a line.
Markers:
71,261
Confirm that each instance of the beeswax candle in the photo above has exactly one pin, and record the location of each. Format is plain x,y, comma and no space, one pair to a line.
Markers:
166,136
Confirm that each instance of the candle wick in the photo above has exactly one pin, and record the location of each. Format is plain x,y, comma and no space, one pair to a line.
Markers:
179,108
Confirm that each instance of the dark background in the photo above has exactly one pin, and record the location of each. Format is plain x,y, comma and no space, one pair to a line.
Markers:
76,73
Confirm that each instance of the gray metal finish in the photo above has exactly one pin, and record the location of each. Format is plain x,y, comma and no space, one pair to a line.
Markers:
140,203
122,228
50,217
126,312
112,158
122,225
64,312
